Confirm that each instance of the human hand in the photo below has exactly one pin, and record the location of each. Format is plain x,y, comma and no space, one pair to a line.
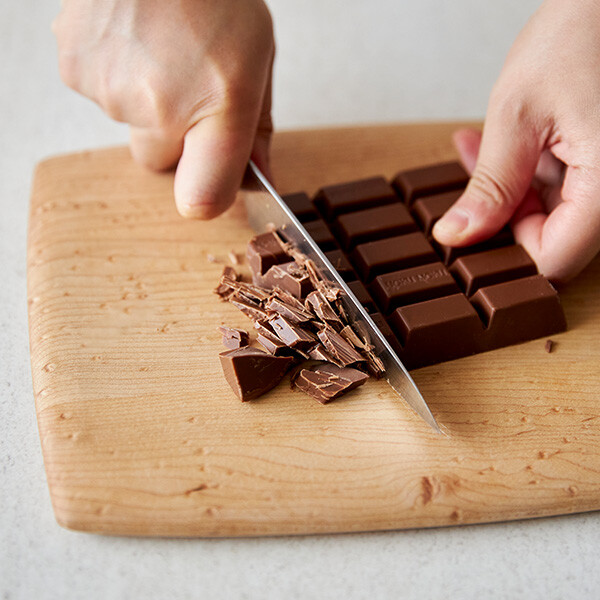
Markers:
538,161
192,78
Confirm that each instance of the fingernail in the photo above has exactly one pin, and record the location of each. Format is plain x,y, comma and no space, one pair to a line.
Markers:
451,225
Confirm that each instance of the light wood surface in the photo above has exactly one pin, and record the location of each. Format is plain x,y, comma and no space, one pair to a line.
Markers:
142,436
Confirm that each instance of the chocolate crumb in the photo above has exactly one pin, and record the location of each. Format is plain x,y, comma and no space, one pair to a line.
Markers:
549,346
233,258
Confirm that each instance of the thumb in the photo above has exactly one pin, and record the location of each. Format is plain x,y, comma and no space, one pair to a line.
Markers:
215,153
508,155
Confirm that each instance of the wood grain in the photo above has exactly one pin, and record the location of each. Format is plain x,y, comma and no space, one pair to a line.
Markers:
142,436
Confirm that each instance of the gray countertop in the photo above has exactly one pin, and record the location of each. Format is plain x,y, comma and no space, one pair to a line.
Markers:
338,63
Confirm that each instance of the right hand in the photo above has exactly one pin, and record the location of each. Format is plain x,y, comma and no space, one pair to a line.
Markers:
192,78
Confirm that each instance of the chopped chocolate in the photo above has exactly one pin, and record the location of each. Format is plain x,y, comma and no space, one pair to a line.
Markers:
340,350
328,382
264,251
352,338
549,346
228,277
288,277
233,337
320,353
233,258
251,372
322,308
250,309
294,336
271,343
290,312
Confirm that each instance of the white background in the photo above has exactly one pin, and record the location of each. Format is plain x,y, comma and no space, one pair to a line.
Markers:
339,62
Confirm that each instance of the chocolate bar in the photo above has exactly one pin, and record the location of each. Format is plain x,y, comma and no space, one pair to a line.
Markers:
432,302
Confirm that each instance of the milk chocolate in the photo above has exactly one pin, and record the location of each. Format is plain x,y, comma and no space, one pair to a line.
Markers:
302,206
429,209
288,276
328,382
334,200
373,224
341,264
398,252
429,180
321,234
362,295
438,303
408,286
264,251
251,372
233,337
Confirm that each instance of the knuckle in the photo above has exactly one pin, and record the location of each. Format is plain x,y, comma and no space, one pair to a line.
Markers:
487,188
68,69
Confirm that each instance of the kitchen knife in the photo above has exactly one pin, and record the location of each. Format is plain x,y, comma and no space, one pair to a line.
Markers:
266,210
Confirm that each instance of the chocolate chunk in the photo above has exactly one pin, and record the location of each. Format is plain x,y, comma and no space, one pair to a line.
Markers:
494,266
286,276
302,207
251,372
399,252
334,200
429,180
341,351
328,382
321,234
264,251
341,264
373,224
407,286
233,337
294,336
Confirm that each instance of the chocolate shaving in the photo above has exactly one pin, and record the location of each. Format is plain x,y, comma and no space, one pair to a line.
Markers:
549,346
321,307
289,312
338,347
250,309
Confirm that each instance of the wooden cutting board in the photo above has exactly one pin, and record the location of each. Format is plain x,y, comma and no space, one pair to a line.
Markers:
142,436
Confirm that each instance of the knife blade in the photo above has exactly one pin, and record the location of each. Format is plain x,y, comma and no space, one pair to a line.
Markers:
266,210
